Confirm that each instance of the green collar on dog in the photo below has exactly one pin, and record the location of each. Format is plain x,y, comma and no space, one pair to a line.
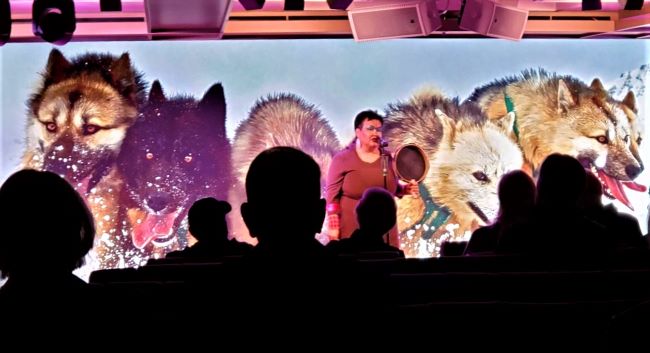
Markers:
510,107
434,216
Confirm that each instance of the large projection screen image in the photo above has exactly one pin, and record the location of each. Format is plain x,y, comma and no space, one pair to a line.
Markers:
144,129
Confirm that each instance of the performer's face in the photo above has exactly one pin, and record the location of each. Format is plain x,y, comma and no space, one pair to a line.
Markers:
370,133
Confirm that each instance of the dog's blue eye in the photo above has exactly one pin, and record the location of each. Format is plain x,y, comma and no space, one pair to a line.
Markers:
51,127
602,139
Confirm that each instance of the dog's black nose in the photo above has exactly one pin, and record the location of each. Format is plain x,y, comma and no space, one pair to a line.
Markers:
158,201
633,171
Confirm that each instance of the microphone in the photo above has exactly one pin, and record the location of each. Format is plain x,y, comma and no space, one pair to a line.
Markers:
383,143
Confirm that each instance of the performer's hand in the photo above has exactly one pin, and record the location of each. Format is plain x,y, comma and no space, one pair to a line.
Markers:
333,226
333,221
412,188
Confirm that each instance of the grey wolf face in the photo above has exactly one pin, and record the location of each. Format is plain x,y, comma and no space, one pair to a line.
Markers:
468,166
467,153
560,114
607,146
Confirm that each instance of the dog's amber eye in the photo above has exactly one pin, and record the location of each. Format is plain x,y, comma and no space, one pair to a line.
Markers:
51,127
90,129
602,139
480,176
149,155
188,159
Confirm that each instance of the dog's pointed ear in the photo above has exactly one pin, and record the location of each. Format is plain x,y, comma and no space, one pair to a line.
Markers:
448,128
156,94
506,123
630,101
597,86
214,100
213,105
565,98
124,78
57,66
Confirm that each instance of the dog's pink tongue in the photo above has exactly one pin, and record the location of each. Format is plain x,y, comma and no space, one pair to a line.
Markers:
153,226
616,188
634,186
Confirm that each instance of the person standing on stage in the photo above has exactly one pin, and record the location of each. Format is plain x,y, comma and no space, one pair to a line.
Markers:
364,163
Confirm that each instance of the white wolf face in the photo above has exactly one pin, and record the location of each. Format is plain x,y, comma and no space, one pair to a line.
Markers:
469,164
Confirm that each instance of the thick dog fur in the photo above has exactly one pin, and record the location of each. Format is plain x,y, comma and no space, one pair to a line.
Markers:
560,114
467,155
77,120
175,154
278,120
78,117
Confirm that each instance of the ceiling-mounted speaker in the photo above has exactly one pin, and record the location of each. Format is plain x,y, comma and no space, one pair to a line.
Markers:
394,20
590,5
294,5
187,18
54,20
5,21
631,4
339,4
252,4
110,5
494,20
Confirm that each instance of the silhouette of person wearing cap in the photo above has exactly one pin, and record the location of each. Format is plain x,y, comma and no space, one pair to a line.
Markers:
207,221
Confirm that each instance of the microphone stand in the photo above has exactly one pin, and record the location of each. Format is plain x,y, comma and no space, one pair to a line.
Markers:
384,171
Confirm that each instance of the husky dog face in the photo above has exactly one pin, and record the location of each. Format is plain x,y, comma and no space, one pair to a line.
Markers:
469,163
174,155
561,114
467,153
600,136
80,116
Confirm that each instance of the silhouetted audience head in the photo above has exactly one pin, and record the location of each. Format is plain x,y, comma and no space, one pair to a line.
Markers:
561,182
516,195
376,211
284,197
46,225
207,219
593,192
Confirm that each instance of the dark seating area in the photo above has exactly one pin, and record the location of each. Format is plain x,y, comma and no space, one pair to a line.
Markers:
504,301
583,287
